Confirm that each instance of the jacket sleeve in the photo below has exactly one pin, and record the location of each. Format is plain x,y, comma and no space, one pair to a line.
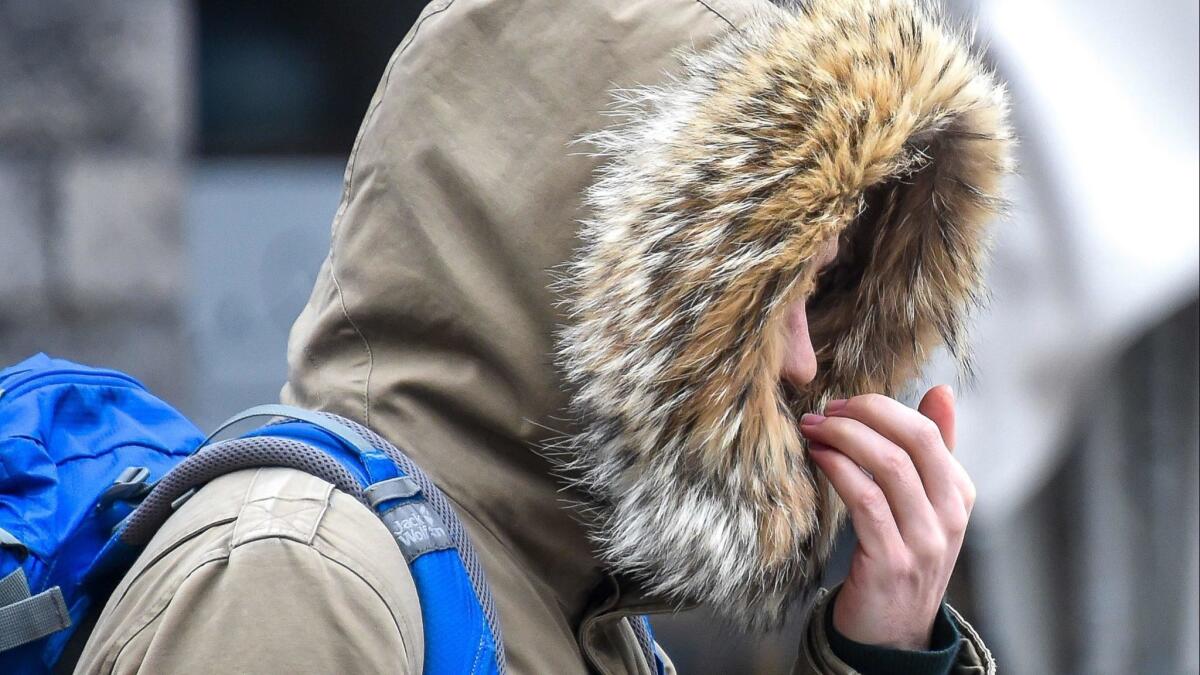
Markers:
818,658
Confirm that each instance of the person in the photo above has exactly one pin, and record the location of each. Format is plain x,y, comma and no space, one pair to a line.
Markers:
647,348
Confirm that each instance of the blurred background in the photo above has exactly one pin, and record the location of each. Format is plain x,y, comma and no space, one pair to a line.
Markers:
169,170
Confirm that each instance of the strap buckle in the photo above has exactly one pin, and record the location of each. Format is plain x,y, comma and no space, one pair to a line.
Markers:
8,540
130,486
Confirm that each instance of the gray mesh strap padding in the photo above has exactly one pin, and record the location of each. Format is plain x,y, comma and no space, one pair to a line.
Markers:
226,457
33,618
441,506
644,640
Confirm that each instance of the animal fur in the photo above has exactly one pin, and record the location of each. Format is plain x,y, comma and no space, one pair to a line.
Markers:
863,120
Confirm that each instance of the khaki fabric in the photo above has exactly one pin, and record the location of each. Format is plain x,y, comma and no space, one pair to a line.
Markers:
431,321
263,571
817,658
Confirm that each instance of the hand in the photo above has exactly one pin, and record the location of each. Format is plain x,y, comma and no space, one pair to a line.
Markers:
910,518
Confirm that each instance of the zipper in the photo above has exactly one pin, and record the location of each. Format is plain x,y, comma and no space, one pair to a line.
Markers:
23,385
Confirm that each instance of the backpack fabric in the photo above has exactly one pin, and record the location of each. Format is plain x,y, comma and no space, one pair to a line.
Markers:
79,447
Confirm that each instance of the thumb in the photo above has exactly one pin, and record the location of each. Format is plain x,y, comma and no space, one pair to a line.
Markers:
938,405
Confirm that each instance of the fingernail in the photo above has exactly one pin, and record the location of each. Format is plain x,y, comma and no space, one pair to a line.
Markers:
835,405
809,419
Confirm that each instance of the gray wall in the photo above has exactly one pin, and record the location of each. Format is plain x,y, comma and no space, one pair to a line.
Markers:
93,124
255,235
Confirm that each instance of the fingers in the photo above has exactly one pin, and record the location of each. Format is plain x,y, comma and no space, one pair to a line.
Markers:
943,479
869,511
891,467
910,514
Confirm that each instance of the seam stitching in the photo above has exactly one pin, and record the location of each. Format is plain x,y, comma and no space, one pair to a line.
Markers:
347,189
149,617
719,15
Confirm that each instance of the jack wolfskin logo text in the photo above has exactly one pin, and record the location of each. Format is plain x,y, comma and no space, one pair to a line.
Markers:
417,529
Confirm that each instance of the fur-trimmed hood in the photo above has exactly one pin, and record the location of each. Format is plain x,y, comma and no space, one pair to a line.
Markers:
868,122
434,321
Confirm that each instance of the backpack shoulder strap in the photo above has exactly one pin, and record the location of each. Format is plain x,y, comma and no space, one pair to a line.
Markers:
329,423
443,563
219,459
645,637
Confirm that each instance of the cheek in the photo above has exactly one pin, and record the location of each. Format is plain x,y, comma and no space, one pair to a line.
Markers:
800,361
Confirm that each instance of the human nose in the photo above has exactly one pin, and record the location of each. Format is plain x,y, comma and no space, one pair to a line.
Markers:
800,359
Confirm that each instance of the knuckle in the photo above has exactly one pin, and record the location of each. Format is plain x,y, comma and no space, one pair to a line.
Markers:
867,402
874,504
896,462
838,425
928,435
969,494
956,523
932,548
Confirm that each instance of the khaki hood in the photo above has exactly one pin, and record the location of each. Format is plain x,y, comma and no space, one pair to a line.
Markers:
647,376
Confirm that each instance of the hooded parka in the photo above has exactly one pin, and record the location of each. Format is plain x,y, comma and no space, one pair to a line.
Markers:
555,280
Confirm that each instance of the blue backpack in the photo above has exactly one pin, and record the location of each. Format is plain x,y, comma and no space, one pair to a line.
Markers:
91,464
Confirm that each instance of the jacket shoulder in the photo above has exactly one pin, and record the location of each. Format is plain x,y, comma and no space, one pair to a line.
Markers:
264,566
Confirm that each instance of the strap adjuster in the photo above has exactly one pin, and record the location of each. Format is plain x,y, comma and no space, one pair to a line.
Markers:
400,487
130,486
8,540
24,617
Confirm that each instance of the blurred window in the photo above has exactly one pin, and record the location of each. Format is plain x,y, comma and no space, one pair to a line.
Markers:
291,77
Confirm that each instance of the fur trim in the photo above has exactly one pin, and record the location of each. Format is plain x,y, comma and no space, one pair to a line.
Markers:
857,119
